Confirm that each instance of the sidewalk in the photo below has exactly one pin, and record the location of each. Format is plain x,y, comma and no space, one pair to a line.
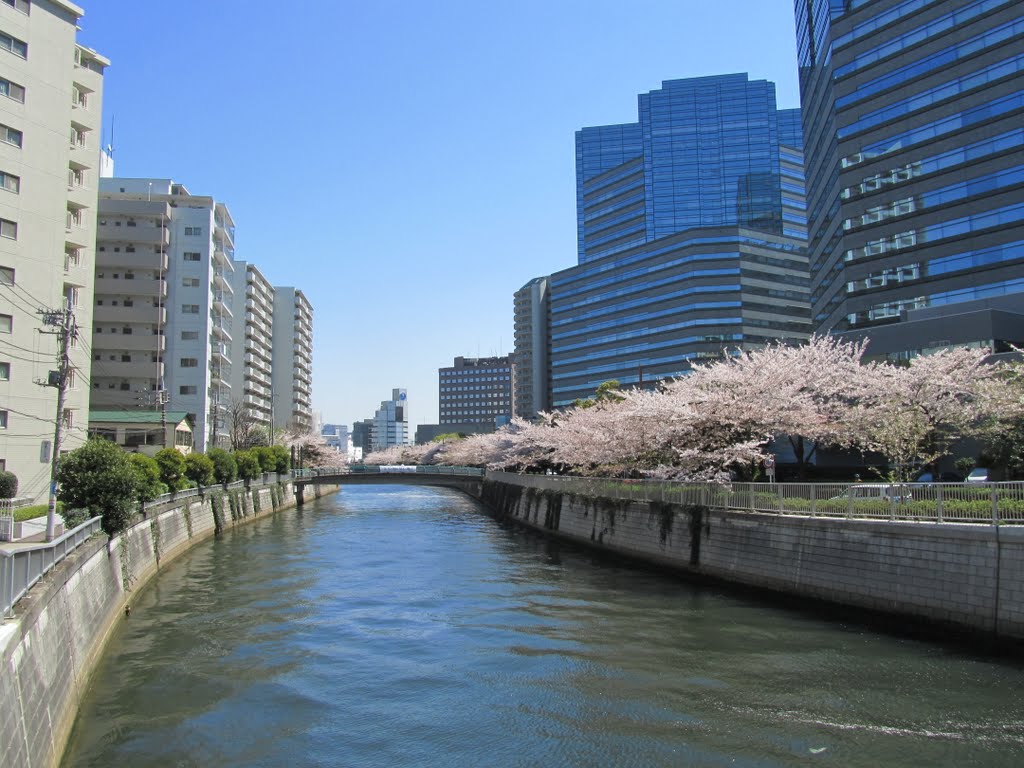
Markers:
33,532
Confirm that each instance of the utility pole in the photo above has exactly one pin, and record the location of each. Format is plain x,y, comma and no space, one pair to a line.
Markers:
64,321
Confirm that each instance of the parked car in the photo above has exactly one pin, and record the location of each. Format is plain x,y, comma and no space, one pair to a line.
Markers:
876,492
944,477
978,475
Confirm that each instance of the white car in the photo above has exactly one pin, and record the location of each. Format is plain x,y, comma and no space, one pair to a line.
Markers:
978,475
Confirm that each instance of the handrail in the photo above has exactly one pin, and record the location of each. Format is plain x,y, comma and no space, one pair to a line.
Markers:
23,567
987,503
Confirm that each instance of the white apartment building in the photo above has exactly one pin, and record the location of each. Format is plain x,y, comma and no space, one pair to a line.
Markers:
252,339
293,359
175,305
50,115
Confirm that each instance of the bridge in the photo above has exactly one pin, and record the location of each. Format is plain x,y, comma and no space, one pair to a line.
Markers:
466,479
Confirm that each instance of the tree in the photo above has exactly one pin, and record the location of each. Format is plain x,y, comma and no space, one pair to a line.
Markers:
8,485
248,464
245,430
265,456
199,468
225,470
99,478
148,473
172,468
282,460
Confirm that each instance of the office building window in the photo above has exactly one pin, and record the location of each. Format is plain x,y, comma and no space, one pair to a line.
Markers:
14,45
19,5
12,90
10,135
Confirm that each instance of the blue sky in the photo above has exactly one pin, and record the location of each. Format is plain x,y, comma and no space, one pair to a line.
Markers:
408,165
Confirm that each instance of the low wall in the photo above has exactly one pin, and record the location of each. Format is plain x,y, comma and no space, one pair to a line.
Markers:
971,576
49,649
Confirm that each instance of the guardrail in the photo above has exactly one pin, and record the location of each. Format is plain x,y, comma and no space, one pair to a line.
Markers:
22,568
391,469
990,503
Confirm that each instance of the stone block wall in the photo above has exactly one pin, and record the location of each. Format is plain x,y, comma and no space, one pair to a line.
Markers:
49,649
967,575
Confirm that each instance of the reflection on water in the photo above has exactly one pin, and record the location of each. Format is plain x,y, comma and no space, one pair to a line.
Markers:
393,626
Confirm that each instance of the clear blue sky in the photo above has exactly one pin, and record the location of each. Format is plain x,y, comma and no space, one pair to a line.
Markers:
407,164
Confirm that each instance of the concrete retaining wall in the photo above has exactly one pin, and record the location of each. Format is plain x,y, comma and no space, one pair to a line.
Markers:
971,576
60,628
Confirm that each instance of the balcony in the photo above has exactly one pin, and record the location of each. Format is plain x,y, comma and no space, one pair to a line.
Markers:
136,369
221,330
144,233
145,259
107,286
108,344
147,315
221,302
220,352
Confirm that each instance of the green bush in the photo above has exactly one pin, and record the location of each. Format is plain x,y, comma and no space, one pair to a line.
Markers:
8,485
248,465
265,456
282,460
148,472
225,470
99,479
172,468
199,469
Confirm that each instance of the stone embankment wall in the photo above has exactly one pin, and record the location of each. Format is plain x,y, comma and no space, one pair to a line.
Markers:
971,576
61,626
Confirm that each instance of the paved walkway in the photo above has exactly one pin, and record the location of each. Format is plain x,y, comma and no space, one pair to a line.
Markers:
34,533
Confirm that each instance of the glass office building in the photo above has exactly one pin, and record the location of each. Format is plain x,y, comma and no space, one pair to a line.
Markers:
915,164
691,237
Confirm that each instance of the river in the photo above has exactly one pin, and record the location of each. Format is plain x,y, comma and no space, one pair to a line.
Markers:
399,626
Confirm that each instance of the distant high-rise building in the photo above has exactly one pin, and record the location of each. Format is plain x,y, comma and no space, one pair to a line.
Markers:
691,229
252,335
293,359
390,424
51,94
476,390
362,437
915,163
531,363
163,319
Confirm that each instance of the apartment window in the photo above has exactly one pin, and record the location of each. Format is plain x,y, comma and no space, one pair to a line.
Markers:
191,256
189,335
190,282
10,182
10,135
68,418
6,276
12,90
190,309
19,5
6,323
3,419
189,362
193,231
187,390
5,371
13,44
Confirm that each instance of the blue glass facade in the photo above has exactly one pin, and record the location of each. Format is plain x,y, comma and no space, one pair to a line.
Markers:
705,153
692,230
915,161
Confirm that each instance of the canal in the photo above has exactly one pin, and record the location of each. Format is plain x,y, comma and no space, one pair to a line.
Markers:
398,626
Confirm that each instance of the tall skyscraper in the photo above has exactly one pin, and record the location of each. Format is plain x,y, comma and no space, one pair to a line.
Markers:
51,93
163,272
915,162
691,237
293,359
532,316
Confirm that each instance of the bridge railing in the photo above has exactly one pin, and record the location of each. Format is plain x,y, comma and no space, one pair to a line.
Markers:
391,469
21,568
990,503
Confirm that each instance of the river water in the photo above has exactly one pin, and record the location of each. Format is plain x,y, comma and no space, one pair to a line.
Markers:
398,626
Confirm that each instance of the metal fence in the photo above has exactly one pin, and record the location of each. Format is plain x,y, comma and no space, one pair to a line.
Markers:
992,503
267,478
374,469
21,568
